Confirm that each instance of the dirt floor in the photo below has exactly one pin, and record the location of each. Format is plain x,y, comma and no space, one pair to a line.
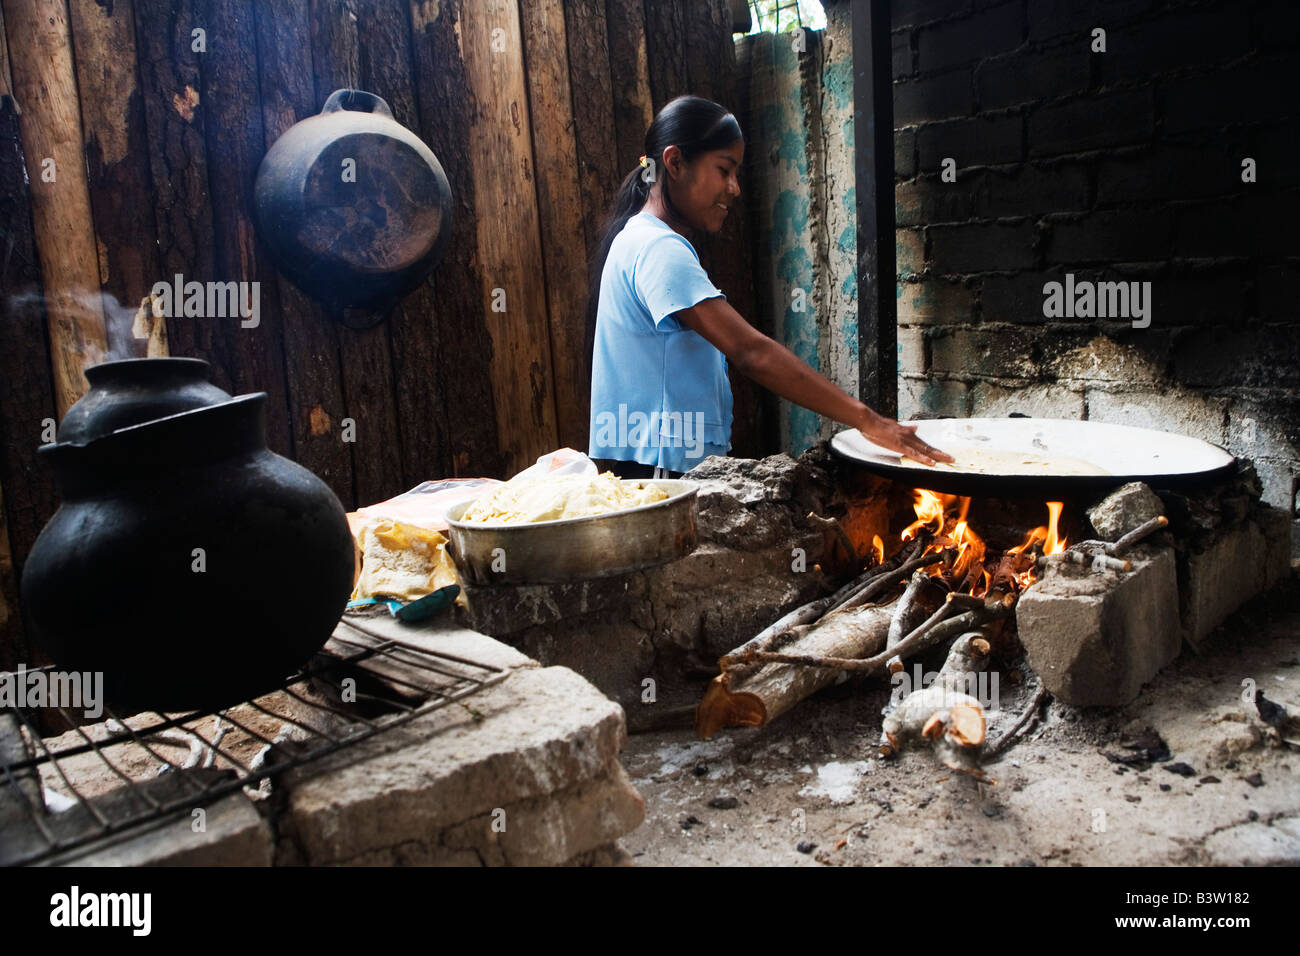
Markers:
809,789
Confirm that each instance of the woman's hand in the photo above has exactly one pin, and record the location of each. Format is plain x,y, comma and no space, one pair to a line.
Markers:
887,433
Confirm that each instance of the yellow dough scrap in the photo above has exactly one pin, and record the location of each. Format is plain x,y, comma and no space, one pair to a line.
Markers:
991,461
521,501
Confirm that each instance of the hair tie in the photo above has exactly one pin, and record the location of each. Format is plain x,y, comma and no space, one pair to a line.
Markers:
644,161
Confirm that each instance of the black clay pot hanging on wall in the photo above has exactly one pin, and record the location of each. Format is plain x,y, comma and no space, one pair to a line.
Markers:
188,563
354,207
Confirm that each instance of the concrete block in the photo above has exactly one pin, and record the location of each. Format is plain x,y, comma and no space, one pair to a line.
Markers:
234,834
540,731
1095,637
1039,401
1242,562
931,398
1167,409
1125,509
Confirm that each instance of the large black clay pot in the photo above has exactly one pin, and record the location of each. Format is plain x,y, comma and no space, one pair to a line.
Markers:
138,390
191,565
354,207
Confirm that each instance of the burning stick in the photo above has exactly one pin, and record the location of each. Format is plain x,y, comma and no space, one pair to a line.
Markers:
1097,562
910,612
830,524
1142,531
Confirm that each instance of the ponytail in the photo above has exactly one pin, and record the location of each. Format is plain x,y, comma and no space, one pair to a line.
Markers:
692,124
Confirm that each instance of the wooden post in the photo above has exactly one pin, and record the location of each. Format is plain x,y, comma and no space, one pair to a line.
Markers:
873,122
117,162
500,151
367,364
560,209
629,79
417,357
311,347
26,384
468,396
40,47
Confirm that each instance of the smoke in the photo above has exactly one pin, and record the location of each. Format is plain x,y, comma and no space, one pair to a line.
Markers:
95,316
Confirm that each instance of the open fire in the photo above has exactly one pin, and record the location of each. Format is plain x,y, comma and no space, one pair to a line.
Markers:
974,570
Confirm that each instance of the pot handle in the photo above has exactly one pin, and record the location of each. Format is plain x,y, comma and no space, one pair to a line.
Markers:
356,100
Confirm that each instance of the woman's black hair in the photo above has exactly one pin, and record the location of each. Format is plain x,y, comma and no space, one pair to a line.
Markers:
691,123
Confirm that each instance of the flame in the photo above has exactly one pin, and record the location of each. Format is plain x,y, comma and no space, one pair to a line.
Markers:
954,531
1052,545
879,547
929,510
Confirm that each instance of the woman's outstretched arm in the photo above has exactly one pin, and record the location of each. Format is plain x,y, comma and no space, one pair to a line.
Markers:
775,367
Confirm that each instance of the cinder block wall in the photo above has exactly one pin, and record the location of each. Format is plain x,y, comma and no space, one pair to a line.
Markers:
1123,165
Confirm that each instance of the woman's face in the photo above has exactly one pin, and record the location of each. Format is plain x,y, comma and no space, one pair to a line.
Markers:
704,189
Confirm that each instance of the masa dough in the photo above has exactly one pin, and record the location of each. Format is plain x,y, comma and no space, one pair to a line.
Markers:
520,501
993,461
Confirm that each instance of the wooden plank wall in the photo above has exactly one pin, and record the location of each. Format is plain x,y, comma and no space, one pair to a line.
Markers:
536,110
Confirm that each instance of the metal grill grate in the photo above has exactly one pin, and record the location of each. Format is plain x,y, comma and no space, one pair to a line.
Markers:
358,686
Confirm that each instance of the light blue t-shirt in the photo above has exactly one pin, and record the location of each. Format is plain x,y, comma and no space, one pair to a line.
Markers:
659,390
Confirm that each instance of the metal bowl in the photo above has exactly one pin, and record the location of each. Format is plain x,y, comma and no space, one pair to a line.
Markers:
575,549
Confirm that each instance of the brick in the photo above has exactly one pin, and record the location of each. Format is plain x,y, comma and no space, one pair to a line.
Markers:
1217,295
986,247
1274,154
1277,289
1180,40
904,153
989,400
981,141
1112,236
1092,122
1165,409
931,398
934,98
934,301
1094,638
911,351
910,247
1029,190
902,50
1031,77
906,13
1250,93
1253,223
1168,172
1052,18
1275,26
1138,358
1266,427
1015,298
1249,355
930,200
993,352
981,35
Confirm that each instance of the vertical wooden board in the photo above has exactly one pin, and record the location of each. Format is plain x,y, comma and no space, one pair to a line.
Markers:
466,343
40,51
629,79
387,68
311,348
366,359
560,209
665,41
117,162
253,354
500,149
174,123
26,382
586,32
